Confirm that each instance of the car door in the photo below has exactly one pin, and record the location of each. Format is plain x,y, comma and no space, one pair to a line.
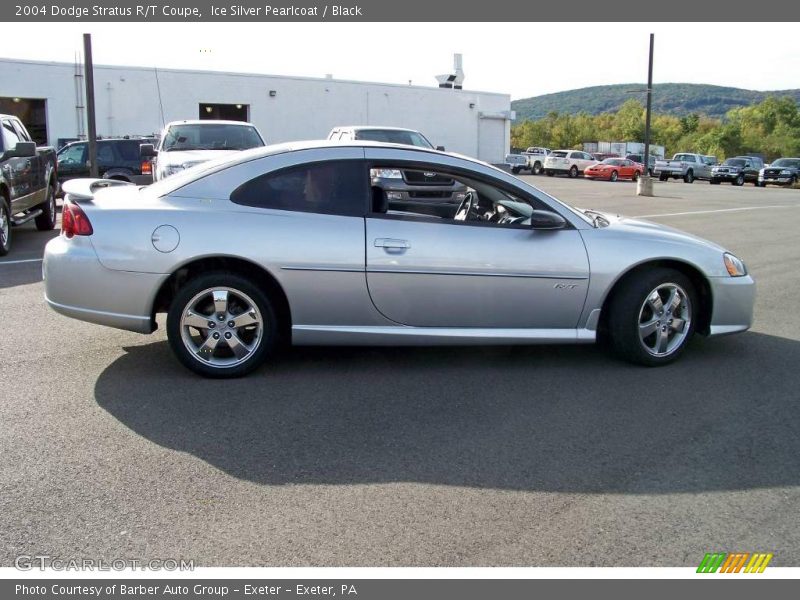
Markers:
72,161
16,169
438,272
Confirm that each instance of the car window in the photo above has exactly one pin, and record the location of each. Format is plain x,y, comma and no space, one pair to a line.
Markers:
129,150
72,154
21,131
105,153
10,137
211,136
331,187
394,136
558,154
441,197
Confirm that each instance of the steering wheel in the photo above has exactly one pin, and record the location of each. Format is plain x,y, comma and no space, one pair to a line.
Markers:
466,207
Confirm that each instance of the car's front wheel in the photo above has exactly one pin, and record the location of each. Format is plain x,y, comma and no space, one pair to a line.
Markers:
652,317
5,226
221,325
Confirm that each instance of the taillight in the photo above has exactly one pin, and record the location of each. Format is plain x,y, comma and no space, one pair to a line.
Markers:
147,167
74,221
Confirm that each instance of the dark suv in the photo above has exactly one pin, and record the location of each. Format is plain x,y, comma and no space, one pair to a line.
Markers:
737,170
117,158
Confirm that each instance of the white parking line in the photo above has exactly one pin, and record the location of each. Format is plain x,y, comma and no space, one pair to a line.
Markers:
721,210
17,262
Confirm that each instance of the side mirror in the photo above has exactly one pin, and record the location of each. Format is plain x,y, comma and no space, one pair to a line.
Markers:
440,148
545,219
22,150
147,151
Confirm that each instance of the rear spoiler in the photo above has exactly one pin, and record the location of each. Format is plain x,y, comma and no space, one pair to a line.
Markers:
85,189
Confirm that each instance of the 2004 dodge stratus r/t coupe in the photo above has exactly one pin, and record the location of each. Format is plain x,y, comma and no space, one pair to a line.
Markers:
294,243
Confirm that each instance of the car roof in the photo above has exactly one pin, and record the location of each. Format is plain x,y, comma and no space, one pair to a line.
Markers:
208,122
374,128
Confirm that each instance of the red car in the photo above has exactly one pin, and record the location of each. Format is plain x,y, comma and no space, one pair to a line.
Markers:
613,169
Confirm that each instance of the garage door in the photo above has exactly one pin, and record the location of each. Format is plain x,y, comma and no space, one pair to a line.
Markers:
492,140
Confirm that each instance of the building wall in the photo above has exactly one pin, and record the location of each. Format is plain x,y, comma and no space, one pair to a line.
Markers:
127,102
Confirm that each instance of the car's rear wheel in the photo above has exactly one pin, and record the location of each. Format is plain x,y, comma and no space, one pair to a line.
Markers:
652,317
573,172
614,175
537,168
5,226
221,325
636,175
47,220
662,177
689,177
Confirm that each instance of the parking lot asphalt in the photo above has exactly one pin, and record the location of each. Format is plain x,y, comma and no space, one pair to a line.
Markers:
540,456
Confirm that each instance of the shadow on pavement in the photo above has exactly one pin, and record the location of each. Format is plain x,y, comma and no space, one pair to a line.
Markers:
561,419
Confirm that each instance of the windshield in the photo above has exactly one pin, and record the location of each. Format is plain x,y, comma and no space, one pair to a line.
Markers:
734,162
791,163
612,161
211,136
394,136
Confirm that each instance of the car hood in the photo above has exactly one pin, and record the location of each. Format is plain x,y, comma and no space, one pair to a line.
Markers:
189,158
640,227
729,167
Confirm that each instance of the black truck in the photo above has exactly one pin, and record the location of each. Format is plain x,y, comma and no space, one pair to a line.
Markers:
28,181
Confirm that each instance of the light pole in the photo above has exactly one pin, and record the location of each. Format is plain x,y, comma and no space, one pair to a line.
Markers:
644,187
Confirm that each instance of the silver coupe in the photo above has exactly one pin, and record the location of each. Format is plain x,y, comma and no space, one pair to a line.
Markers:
297,243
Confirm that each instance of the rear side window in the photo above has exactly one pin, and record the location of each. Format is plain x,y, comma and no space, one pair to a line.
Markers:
331,188
129,150
558,154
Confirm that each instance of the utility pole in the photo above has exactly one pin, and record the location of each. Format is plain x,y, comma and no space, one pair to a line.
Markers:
645,185
90,115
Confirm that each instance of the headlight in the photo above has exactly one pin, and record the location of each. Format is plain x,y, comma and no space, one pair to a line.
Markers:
387,173
734,265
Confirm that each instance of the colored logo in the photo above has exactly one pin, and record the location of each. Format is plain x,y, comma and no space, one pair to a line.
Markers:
734,562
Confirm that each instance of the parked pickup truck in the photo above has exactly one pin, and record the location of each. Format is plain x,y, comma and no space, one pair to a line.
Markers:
27,181
684,166
531,160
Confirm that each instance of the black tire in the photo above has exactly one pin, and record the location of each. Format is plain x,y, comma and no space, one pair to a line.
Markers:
239,284
662,177
714,181
515,170
47,220
614,175
689,177
636,175
549,173
537,168
573,172
5,226
739,181
625,311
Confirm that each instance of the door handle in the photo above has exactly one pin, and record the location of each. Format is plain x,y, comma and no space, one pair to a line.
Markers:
392,244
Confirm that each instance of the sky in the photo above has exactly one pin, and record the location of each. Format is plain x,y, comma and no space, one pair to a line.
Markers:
520,59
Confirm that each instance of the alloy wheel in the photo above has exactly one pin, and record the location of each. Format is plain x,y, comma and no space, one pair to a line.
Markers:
665,319
221,327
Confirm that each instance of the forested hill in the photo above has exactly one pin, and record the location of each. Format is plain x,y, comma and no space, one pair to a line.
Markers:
668,98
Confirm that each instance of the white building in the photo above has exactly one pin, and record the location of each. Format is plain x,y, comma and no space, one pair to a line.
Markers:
49,98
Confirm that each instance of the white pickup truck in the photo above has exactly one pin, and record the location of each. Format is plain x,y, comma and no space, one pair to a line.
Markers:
684,166
531,160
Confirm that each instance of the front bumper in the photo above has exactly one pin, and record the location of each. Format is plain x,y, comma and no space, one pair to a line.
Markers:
734,299
775,179
77,285
725,176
